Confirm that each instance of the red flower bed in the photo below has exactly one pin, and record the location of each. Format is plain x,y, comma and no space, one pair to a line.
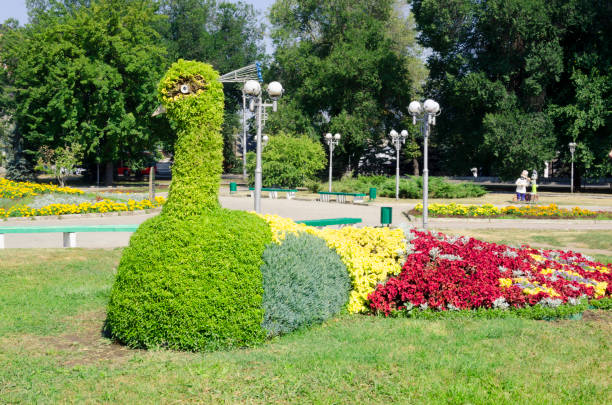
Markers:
449,273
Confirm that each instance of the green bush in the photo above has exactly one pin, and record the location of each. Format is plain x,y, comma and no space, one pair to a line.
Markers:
409,187
288,161
191,284
304,283
190,278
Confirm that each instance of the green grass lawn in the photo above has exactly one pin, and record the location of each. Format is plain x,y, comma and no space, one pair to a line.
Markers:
52,309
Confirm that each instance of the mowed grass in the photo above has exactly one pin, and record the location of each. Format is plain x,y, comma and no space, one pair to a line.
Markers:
52,350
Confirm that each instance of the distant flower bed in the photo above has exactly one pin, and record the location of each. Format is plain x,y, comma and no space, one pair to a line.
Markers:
82,208
443,273
19,189
489,210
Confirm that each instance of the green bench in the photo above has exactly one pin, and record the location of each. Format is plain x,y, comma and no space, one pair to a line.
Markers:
325,196
68,231
273,192
330,221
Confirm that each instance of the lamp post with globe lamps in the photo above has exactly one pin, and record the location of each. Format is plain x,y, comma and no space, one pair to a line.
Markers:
252,88
572,148
332,141
398,140
426,114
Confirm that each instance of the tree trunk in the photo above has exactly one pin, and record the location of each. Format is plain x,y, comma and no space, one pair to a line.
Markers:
415,165
108,174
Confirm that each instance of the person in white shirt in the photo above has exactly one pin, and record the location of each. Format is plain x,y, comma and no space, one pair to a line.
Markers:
521,185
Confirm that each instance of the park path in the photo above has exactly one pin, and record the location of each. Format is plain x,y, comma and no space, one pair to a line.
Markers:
296,209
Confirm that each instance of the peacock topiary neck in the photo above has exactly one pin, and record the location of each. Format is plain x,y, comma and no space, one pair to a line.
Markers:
193,98
196,173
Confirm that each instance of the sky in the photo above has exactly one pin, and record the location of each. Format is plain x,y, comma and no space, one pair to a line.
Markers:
17,9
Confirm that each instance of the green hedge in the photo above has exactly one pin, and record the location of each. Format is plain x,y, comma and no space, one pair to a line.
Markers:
409,187
304,283
191,284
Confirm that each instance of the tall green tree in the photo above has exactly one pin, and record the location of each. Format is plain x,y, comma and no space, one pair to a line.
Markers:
87,75
348,66
520,77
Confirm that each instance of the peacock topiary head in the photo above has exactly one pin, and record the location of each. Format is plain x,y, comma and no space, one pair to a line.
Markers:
191,94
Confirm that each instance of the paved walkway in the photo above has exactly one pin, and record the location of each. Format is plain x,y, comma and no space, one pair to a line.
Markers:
295,209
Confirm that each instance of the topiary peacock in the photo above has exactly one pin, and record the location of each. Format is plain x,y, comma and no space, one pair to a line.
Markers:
191,277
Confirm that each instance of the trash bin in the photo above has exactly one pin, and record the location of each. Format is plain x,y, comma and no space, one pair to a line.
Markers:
233,188
372,193
386,215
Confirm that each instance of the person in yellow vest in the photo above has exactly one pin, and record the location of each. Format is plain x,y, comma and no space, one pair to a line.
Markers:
534,187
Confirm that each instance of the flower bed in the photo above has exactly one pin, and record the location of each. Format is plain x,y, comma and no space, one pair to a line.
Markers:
82,208
444,273
371,255
489,210
19,189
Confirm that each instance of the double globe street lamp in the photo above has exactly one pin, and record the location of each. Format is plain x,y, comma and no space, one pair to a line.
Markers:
398,140
426,114
332,141
252,89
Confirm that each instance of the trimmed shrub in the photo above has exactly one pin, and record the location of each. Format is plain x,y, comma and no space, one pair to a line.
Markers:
191,277
409,187
191,284
304,283
288,161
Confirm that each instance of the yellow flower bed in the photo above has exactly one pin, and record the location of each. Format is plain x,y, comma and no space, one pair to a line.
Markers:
488,210
82,208
18,189
371,255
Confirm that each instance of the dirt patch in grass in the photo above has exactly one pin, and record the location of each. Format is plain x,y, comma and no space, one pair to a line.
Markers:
85,344
599,316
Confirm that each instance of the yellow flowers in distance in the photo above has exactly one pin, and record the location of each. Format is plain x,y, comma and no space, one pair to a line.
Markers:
19,189
82,208
489,210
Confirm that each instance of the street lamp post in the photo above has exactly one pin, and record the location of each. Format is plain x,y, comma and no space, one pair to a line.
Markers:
425,114
253,89
398,140
572,148
332,141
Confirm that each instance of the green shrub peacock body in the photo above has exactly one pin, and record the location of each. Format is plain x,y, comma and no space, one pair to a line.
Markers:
191,278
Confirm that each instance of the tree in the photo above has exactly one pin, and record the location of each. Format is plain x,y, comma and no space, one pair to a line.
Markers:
347,67
289,160
60,162
532,61
86,73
